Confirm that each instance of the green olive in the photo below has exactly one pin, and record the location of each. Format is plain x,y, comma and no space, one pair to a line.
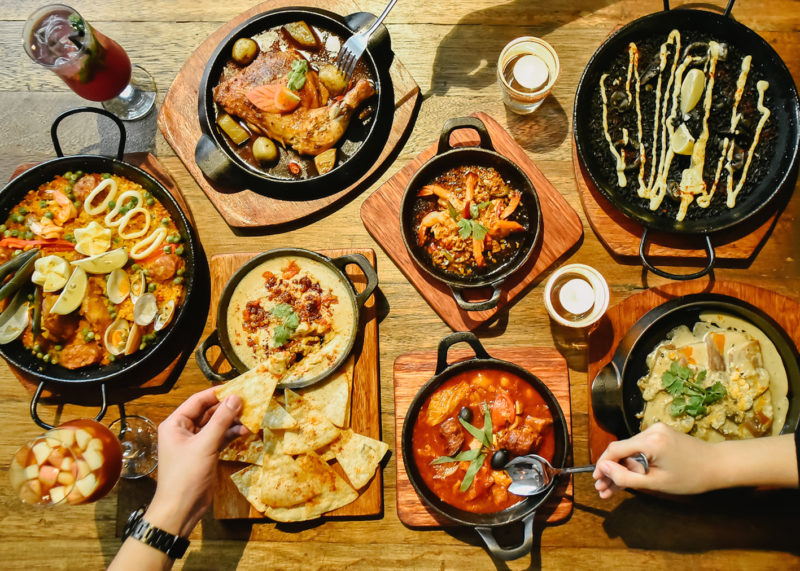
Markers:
244,51
264,150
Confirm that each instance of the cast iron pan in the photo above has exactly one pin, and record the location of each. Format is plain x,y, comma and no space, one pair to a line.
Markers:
761,199
525,510
219,337
616,398
220,163
530,216
136,369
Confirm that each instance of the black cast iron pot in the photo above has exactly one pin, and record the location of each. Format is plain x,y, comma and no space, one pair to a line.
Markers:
136,369
219,337
364,142
616,398
781,171
484,155
525,510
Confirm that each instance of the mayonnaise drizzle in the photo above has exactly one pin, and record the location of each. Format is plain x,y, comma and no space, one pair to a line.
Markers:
620,161
762,87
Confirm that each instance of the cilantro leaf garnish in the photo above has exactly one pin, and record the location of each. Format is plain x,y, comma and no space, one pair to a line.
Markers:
689,396
467,228
297,77
289,322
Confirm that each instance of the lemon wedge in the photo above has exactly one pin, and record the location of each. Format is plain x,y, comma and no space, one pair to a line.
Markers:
682,141
692,89
92,240
51,272
72,296
103,263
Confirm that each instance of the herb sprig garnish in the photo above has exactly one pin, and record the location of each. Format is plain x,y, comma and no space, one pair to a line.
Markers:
289,322
297,77
470,226
689,396
474,456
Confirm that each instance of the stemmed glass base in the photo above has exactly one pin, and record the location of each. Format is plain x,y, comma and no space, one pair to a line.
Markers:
137,99
139,439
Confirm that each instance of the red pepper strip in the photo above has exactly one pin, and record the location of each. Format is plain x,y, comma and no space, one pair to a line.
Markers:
49,244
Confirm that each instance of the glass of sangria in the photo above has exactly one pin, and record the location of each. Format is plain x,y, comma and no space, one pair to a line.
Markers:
91,64
77,463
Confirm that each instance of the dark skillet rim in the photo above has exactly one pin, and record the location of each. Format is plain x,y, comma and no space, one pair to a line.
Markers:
703,226
136,369
513,513
230,286
640,340
433,167
344,171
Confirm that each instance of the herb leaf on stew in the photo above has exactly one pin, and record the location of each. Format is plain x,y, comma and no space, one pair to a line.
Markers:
297,77
466,456
689,395
474,466
479,434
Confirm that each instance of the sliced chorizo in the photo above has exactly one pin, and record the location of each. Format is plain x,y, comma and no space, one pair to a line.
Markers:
164,267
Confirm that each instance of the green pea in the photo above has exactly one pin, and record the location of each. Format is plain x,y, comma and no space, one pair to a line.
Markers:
150,201
68,174
142,346
3,228
23,210
167,249
178,280
124,210
181,271
53,361
68,189
106,175
29,235
76,203
90,336
148,194
116,239
113,314
18,218
85,331
46,358
49,215
37,347
111,358
179,251
69,237
71,196
136,267
39,355
6,233
149,337
151,287
58,347
78,174
29,297
14,233
16,253
134,201
165,221
42,204
112,204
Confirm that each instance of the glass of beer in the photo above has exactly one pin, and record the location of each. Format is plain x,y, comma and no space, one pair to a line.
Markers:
527,69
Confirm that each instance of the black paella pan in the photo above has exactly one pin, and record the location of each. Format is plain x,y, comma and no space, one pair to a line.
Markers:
136,369
775,162
358,148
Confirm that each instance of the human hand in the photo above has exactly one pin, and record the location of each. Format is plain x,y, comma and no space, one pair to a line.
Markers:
679,463
189,441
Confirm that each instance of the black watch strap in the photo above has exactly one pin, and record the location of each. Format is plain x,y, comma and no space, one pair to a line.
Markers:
139,528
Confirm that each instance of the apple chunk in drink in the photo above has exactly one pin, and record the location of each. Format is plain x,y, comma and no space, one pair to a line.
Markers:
43,472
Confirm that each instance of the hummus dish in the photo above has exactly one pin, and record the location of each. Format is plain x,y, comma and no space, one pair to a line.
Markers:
293,315
721,380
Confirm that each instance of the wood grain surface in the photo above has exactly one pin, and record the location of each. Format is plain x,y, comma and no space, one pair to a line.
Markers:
623,236
412,370
246,208
620,318
365,412
450,49
561,229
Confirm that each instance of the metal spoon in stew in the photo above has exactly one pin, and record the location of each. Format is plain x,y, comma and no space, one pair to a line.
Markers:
533,474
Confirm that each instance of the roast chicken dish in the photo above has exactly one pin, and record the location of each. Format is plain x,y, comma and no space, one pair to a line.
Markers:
285,107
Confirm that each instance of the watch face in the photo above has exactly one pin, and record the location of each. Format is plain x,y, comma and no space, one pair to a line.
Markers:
133,519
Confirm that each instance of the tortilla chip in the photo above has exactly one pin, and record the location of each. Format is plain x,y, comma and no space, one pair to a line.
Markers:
255,387
332,396
247,482
285,483
277,417
358,456
335,494
249,448
314,430
326,453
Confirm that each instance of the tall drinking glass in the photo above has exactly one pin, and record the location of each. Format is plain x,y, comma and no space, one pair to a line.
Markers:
91,64
139,439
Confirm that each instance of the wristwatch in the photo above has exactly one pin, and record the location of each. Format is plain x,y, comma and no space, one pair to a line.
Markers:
139,528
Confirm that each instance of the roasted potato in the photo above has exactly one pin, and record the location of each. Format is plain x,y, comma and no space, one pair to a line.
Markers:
333,79
301,33
236,132
244,51
264,150
325,161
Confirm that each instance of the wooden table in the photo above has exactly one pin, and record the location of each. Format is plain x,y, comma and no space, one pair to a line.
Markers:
450,49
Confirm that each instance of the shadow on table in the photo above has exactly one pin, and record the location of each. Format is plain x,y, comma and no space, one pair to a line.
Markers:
86,134
741,519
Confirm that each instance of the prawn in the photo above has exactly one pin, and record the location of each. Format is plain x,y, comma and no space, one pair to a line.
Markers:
429,221
512,204
503,228
45,228
64,209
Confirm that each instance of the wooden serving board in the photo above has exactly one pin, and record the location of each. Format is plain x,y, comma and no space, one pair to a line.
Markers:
243,208
604,339
158,383
412,370
622,236
365,402
561,229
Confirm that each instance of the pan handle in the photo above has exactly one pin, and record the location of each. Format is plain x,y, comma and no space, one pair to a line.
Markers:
511,553
726,13
65,114
606,394
463,123
38,394
202,361
682,277
361,261
215,164
452,339
490,303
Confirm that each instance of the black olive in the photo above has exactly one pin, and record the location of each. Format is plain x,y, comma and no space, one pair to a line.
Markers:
500,459
465,414
737,160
